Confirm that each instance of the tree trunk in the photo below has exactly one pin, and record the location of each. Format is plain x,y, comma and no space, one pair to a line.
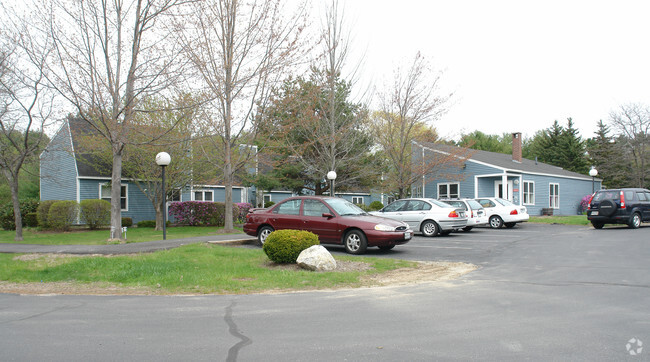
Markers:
17,217
228,222
116,196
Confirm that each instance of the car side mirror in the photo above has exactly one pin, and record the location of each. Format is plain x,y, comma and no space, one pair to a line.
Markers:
327,215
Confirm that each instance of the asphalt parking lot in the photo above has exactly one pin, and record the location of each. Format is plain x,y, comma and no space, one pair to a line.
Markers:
541,292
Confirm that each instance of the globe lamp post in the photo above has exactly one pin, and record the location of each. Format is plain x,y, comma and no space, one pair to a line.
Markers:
331,176
593,173
163,159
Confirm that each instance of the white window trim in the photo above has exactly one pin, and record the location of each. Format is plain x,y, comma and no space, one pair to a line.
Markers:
523,192
361,201
550,204
203,191
270,196
126,194
448,188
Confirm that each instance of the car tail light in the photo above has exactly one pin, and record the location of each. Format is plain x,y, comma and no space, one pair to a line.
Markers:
472,214
590,200
513,212
622,200
453,214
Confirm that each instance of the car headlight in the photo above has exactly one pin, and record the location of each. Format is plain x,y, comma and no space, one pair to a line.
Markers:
382,227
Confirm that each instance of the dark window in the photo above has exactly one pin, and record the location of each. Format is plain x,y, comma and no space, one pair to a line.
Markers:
314,208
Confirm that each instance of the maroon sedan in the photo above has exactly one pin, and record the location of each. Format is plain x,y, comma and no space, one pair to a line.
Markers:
334,220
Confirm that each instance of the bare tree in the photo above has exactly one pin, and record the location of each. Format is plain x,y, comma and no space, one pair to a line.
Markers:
632,121
25,101
321,128
108,56
241,50
408,109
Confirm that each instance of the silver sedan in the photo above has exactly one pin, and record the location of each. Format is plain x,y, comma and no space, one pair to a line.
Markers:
429,216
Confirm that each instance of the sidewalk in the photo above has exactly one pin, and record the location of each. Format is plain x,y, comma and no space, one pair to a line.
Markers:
144,247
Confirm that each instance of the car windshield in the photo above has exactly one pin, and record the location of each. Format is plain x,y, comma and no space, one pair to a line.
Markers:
344,207
505,202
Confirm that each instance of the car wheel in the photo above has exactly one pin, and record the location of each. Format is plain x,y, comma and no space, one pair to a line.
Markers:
496,222
510,225
386,247
263,234
597,225
355,242
635,221
430,228
468,228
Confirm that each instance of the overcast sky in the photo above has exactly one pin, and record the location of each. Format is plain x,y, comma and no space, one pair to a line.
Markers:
514,65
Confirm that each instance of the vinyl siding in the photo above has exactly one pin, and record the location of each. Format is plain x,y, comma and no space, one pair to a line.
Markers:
58,168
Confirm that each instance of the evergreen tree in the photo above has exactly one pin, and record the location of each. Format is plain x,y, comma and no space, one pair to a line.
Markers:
608,157
572,150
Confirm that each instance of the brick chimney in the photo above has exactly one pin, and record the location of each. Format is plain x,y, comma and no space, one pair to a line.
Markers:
516,147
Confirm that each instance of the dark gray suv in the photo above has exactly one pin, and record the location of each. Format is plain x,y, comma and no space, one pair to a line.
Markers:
619,206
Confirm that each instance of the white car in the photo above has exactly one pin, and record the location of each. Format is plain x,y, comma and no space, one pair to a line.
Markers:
428,216
476,215
503,212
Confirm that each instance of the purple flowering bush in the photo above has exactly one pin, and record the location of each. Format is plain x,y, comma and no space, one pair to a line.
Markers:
239,211
198,213
584,203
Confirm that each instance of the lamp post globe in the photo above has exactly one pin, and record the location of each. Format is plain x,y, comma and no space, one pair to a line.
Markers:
593,173
331,176
163,159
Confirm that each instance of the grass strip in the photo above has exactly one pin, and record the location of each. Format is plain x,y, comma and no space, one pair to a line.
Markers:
196,269
99,237
564,220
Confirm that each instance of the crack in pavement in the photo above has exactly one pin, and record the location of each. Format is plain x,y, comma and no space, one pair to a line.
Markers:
36,315
232,328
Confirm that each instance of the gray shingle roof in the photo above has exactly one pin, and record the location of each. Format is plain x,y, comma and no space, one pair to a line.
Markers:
505,161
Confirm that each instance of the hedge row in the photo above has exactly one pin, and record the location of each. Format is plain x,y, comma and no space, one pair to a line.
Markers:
196,213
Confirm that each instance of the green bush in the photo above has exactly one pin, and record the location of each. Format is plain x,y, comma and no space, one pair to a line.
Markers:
95,213
7,219
376,205
31,220
146,224
62,214
268,204
127,222
284,246
43,211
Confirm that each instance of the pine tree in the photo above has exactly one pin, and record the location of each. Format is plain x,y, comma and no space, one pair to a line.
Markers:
608,157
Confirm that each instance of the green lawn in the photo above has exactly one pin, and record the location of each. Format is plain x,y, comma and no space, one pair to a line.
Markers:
565,220
196,268
96,237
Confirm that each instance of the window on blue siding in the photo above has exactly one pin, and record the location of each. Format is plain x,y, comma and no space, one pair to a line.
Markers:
105,194
554,196
529,193
448,191
203,196
357,200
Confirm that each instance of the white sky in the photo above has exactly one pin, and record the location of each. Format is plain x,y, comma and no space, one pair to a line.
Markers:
514,65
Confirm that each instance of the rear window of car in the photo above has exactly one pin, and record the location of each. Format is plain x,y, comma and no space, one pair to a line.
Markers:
439,203
458,204
291,207
505,202
606,195
486,203
474,205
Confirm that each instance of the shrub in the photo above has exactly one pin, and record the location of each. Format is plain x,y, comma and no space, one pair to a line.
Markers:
147,224
284,246
7,218
43,211
95,213
268,204
239,212
62,214
31,220
127,222
198,212
376,205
